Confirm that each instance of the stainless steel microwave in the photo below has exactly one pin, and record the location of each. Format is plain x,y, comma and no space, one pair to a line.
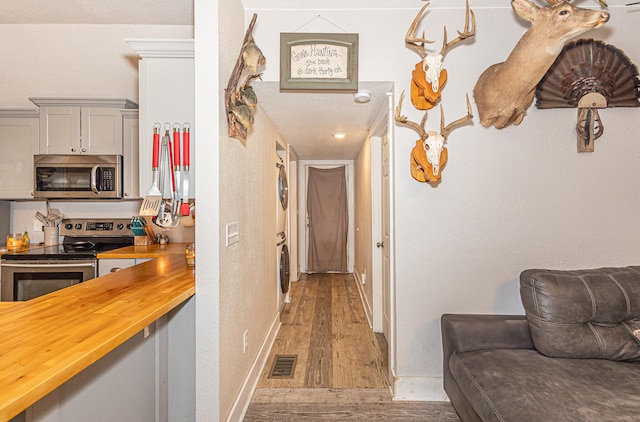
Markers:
78,176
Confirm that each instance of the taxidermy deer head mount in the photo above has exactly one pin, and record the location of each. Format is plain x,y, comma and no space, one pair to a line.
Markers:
430,155
505,91
429,76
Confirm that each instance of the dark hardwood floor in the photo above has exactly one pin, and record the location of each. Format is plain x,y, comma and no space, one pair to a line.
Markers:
341,372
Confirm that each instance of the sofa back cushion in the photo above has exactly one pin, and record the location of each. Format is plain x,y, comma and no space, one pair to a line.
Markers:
583,313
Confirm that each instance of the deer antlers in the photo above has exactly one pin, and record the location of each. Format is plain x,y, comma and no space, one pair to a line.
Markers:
417,44
429,75
430,155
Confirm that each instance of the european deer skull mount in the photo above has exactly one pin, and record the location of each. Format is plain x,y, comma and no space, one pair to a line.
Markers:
505,90
429,155
429,77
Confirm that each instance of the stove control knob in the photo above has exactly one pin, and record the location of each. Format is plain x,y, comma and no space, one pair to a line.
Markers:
68,226
120,226
78,226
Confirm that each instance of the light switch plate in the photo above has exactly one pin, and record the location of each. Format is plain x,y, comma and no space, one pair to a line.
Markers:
233,233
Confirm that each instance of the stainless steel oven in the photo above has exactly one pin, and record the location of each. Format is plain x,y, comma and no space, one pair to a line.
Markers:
78,176
25,275
27,279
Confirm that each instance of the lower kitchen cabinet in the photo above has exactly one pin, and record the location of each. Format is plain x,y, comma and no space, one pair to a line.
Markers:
111,265
19,134
148,378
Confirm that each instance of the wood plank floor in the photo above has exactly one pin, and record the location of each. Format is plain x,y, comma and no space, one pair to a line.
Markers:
342,366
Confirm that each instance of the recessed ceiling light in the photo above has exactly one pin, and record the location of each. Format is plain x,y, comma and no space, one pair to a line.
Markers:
339,135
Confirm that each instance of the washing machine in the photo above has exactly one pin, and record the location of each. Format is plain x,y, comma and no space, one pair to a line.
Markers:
282,251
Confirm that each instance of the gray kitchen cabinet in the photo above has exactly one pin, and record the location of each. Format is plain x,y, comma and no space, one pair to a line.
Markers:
82,126
110,265
19,133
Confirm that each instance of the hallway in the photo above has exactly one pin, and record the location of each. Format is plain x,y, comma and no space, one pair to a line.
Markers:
341,368
326,327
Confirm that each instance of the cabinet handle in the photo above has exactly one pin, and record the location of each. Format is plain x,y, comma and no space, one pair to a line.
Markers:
84,150
115,269
73,150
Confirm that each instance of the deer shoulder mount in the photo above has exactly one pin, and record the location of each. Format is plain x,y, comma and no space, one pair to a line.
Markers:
429,155
428,77
505,90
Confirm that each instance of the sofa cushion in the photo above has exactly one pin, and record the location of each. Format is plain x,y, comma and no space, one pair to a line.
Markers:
523,385
583,313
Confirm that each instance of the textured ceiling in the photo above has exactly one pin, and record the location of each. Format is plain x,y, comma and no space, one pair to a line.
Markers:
308,120
305,120
144,12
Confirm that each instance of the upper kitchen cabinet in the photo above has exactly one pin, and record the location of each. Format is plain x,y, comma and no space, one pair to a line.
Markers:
167,95
82,126
19,142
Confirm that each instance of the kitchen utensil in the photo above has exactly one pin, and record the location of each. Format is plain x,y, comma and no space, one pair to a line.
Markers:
164,218
137,227
41,218
176,169
152,201
149,231
186,162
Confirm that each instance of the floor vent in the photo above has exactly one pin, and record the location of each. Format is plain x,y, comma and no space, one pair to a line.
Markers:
283,366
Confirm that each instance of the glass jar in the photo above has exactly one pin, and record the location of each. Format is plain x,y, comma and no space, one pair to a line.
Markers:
14,241
191,254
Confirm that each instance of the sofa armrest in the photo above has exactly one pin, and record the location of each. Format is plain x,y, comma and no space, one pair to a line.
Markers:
466,333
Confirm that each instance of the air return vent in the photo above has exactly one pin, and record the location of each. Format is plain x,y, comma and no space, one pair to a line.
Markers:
283,366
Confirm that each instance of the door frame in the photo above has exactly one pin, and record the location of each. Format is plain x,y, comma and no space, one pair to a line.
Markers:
381,129
303,170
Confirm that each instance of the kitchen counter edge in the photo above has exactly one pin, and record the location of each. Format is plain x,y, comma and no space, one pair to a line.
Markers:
104,312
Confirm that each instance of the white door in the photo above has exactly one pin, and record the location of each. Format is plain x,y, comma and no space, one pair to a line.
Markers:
386,244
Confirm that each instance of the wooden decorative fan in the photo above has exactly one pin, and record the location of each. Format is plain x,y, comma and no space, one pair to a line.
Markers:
589,74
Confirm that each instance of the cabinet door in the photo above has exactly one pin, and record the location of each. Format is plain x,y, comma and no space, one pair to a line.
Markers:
107,266
101,131
60,130
18,143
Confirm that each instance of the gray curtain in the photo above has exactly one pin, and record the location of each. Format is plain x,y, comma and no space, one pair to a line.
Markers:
328,219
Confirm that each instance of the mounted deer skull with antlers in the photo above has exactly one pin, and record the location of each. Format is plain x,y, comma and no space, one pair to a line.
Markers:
429,77
505,90
429,155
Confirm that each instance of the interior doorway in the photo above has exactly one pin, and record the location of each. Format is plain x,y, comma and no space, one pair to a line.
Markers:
303,253
327,220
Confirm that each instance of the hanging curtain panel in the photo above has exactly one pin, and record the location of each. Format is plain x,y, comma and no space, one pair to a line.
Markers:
327,210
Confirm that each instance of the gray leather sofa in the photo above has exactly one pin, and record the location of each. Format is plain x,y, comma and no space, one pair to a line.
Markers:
572,357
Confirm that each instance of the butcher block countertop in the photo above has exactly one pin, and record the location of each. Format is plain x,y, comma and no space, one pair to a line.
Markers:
46,341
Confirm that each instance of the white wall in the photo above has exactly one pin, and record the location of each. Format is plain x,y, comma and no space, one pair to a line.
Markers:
362,267
510,199
91,61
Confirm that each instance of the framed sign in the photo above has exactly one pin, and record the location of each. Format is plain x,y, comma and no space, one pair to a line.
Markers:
318,62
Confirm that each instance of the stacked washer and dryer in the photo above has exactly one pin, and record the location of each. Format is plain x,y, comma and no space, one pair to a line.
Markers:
282,252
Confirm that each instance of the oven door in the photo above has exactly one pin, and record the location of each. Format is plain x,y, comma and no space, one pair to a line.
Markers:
25,280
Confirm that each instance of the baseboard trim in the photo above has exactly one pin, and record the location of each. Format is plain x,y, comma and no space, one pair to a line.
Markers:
243,399
368,310
419,389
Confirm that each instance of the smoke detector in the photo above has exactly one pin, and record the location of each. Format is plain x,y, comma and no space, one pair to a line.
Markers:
361,97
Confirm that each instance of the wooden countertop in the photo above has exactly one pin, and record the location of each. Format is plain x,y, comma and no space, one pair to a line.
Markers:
48,340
